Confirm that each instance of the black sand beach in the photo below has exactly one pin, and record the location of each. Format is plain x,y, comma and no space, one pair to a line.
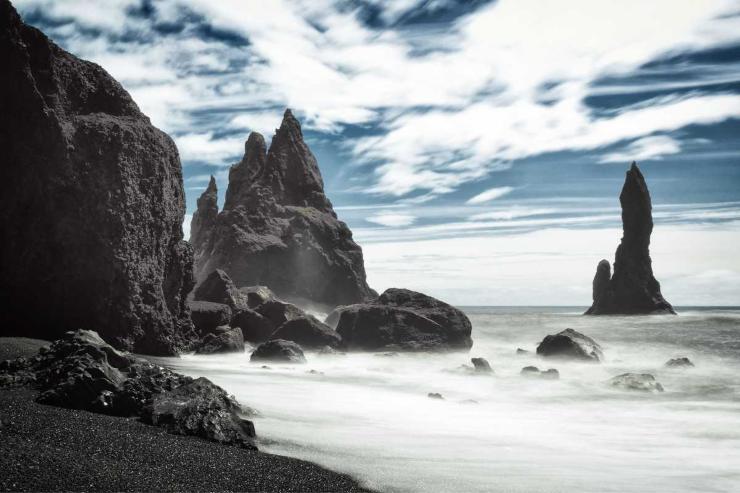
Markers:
45,448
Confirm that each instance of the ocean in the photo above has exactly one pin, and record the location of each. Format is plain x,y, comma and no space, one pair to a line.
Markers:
368,415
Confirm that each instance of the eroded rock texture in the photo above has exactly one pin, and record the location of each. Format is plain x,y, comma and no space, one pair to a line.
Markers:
278,228
632,289
91,204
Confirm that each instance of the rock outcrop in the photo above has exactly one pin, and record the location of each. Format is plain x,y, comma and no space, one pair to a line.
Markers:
534,372
641,382
219,288
81,371
92,204
222,339
309,333
204,218
632,289
278,228
279,351
401,319
570,344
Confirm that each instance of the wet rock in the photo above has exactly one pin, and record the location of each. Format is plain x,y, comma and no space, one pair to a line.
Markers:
533,371
435,395
92,203
218,288
679,363
404,320
308,332
278,228
255,327
330,351
81,371
207,316
278,350
223,339
481,365
256,295
278,312
521,351
570,344
642,382
200,408
632,289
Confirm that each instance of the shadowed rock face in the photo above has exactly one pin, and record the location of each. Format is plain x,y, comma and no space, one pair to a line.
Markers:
91,204
632,289
278,229
205,217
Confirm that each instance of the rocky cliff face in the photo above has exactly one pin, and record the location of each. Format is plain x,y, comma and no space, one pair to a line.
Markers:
204,218
632,289
279,229
91,203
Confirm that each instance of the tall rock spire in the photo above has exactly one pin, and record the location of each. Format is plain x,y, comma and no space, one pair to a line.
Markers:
632,289
279,229
204,218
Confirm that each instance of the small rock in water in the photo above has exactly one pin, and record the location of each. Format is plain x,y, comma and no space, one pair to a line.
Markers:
521,351
572,345
643,382
315,372
679,363
533,371
279,350
469,401
330,351
435,395
481,365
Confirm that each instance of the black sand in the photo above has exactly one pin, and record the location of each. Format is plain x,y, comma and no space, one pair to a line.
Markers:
45,448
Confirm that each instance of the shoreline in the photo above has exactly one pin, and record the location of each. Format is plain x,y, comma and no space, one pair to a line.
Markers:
47,448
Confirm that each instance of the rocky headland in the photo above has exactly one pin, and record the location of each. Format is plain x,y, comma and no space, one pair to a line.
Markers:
632,289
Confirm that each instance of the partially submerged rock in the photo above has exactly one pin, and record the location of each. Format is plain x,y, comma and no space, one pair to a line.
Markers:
207,315
642,382
278,350
223,339
533,371
405,320
308,332
81,371
435,395
481,365
679,363
92,203
632,289
570,344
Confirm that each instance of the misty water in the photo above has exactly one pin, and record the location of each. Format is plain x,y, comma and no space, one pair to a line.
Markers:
369,415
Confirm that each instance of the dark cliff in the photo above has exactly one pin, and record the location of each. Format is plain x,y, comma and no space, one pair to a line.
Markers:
91,203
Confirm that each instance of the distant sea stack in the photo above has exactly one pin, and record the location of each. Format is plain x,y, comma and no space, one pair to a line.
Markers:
91,204
278,228
632,289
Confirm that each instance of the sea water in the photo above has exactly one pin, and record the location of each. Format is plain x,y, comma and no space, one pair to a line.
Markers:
368,415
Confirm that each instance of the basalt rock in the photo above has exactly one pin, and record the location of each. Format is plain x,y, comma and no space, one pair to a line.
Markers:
641,382
481,365
278,350
219,288
255,327
534,372
278,228
679,363
92,203
570,344
222,339
207,316
308,332
204,218
81,371
405,320
632,289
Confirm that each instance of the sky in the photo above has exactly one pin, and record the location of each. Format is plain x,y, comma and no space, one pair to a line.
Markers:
476,149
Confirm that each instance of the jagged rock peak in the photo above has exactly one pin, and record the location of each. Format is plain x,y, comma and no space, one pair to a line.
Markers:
204,217
243,174
632,289
93,203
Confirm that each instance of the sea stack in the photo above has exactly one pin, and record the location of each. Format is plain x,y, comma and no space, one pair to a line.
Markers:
92,204
278,229
632,289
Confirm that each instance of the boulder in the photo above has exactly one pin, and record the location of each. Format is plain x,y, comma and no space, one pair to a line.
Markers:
570,344
255,327
533,371
278,312
641,382
679,363
308,332
207,316
278,350
481,365
219,288
92,203
81,371
521,351
223,339
278,229
435,395
400,319
256,295
632,289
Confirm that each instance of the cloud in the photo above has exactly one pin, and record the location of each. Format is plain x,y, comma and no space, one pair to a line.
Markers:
490,194
206,147
654,147
392,220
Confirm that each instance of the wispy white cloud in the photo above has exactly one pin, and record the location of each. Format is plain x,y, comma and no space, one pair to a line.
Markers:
654,147
392,220
489,195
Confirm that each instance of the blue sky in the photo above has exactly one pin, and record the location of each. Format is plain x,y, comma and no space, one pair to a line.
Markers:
476,149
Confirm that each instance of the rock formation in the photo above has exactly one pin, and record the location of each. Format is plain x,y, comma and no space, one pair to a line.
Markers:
204,217
91,201
223,339
81,371
278,228
632,289
641,382
278,350
570,344
401,319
